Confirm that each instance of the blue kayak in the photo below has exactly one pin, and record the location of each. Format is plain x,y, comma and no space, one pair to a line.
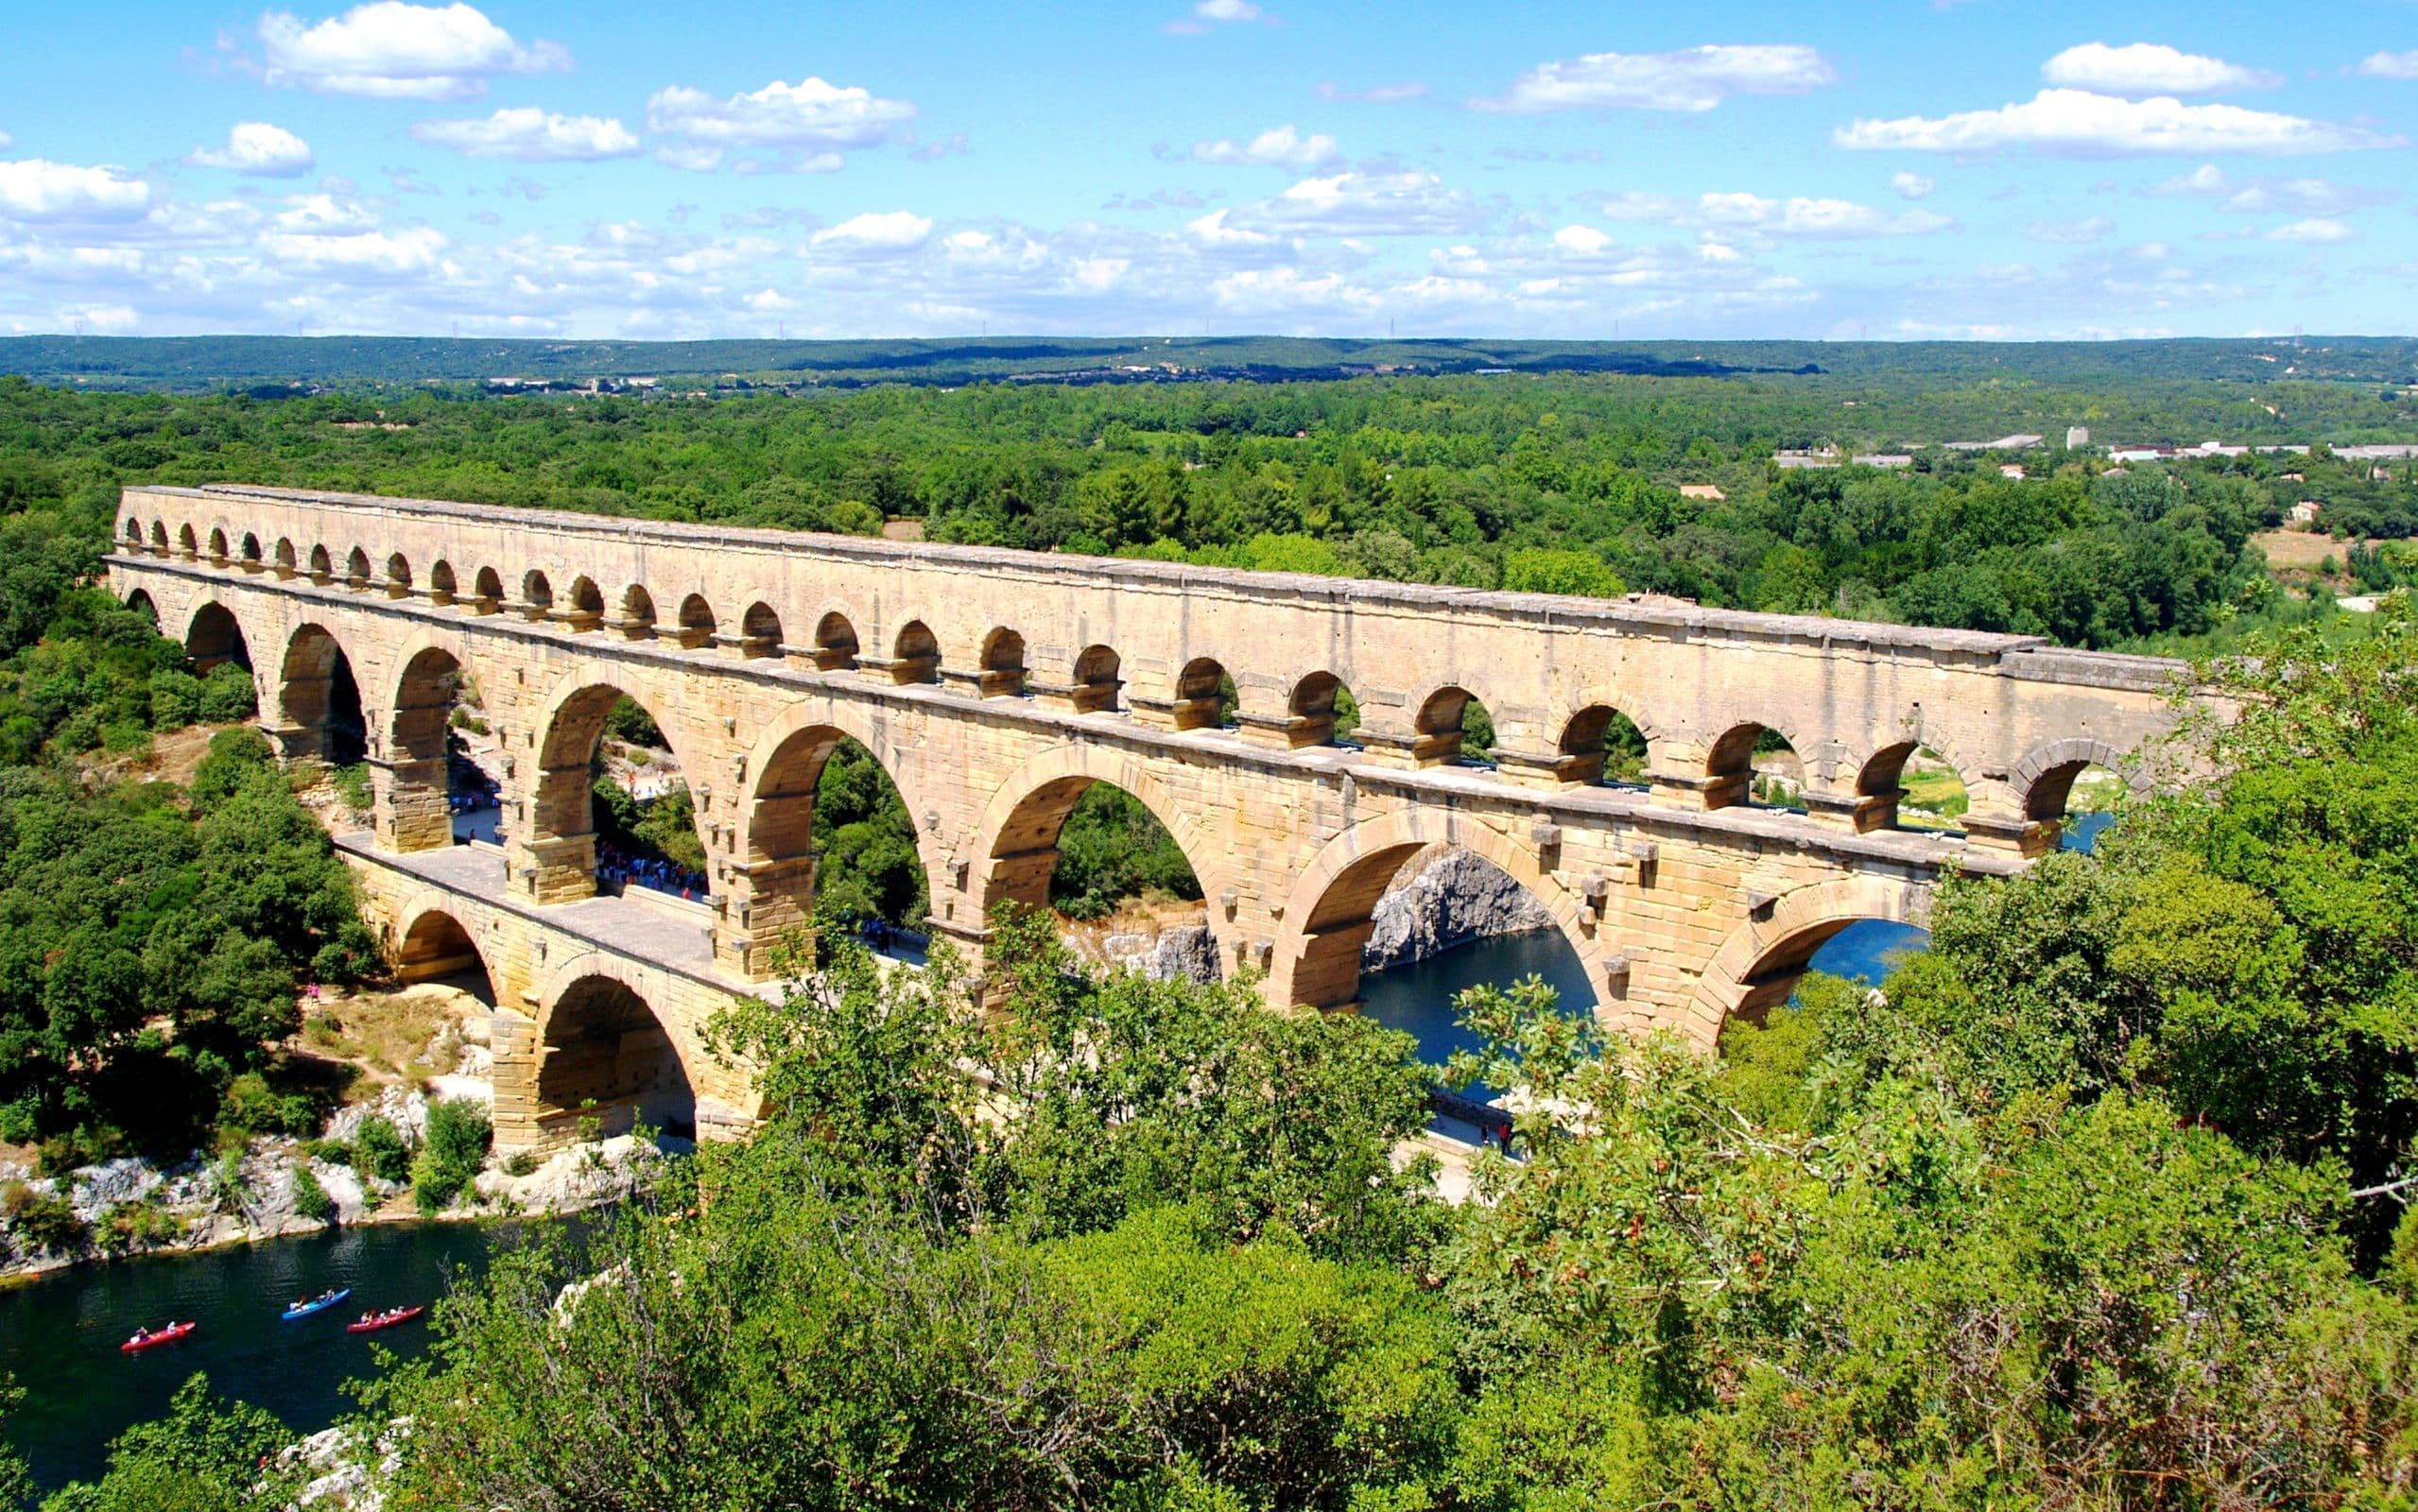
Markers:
317,1304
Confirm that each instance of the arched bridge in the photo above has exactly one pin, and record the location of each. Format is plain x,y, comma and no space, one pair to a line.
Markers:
995,686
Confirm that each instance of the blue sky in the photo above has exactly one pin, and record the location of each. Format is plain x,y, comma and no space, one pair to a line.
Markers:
1916,168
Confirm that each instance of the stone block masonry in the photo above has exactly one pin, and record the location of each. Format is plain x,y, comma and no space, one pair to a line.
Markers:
994,687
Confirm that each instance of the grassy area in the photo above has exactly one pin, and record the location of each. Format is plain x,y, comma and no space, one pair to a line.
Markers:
387,1033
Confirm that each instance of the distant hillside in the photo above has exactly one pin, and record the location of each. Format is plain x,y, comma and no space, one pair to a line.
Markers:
202,362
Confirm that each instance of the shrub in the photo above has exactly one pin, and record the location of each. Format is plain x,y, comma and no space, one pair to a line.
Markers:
228,694
176,698
48,1223
131,1226
455,1148
521,1162
335,1152
310,1198
253,1106
381,1149
353,785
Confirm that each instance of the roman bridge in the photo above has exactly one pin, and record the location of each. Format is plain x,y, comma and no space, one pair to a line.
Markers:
995,686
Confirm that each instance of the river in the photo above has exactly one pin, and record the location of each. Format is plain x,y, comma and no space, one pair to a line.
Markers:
58,1335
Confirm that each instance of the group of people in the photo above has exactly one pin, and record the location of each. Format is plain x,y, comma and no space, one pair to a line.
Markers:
616,866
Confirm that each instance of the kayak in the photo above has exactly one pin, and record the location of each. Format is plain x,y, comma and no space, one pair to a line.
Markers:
317,1304
388,1320
166,1336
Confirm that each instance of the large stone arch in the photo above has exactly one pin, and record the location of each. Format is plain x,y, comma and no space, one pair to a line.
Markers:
1016,836
1760,961
436,944
314,715
1317,955
593,1056
775,872
214,633
413,811
554,846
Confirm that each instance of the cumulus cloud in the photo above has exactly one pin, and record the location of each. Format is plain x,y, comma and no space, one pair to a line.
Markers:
1795,217
1690,79
2151,68
1365,204
1912,185
528,135
257,148
1208,13
812,119
2080,123
390,50
389,253
2304,196
2389,65
36,189
878,228
1277,148
2071,232
2317,230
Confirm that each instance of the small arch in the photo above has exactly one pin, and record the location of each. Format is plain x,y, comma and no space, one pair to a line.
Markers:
1910,786
835,642
759,633
285,557
587,604
1003,664
133,531
537,595
1205,696
607,1056
187,543
1322,711
637,613
398,577
915,655
1753,763
1452,726
322,570
697,625
159,537
247,552
214,637
1599,744
441,583
1096,681
218,548
489,589
436,947
2070,790
356,570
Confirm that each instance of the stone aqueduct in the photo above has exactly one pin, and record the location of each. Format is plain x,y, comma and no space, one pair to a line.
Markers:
995,686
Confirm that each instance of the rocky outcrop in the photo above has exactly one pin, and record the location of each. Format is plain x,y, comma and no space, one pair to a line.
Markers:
1443,898
1186,952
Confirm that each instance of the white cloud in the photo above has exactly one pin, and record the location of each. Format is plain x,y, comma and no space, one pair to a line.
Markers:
1912,185
390,254
2151,68
1795,217
1279,147
811,118
390,50
1289,290
1365,204
1216,13
887,228
1583,240
2389,65
2316,230
2083,123
36,189
2299,196
1692,78
1212,231
2071,232
690,159
528,135
257,148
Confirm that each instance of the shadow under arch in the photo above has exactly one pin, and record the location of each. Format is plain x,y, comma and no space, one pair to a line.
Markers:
215,636
786,840
1020,827
436,948
604,1053
318,700
562,840
1762,960
140,601
1328,919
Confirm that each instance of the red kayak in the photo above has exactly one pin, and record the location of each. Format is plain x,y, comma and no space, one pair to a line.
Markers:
387,1319
166,1336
